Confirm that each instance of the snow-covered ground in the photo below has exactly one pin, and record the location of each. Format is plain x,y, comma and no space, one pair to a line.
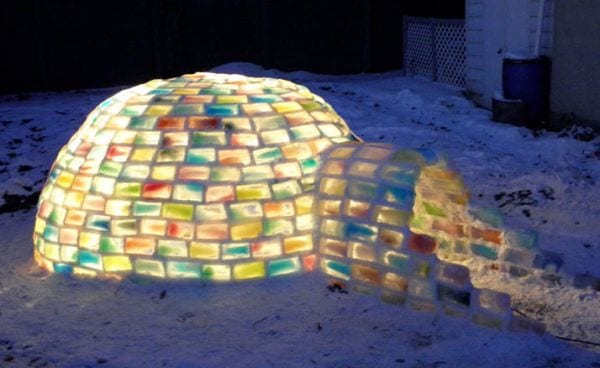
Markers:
546,181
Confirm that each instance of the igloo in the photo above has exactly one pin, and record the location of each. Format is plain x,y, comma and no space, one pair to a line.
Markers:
220,177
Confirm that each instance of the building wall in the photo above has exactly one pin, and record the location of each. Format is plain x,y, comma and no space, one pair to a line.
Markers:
575,90
547,25
495,28
475,48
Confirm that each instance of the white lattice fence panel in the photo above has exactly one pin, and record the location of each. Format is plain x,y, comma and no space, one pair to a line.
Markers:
435,48
451,53
418,52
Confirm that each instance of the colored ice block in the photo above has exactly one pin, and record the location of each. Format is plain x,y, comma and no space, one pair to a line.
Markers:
188,192
235,250
284,266
390,216
244,139
157,190
361,231
216,272
143,208
117,207
111,244
140,245
163,172
257,173
335,268
203,139
286,189
396,260
150,267
247,230
149,226
363,190
178,211
212,231
333,247
193,173
222,110
69,254
172,248
266,155
246,210
287,170
116,263
269,122
266,248
123,227
333,186
421,243
522,239
176,154
203,250
253,191
250,270
175,139
182,269
334,228
91,260
180,230
225,174
298,244
484,251
275,137
274,227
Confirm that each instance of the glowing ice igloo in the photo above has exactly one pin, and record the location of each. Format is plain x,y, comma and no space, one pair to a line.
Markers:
225,177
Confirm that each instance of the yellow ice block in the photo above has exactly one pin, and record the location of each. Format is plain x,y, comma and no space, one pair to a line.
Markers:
246,231
298,244
117,207
158,110
52,251
253,191
364,169
304,204
249,270
163,172
65,179
143,154
89,240
333,186
232,99
74,199
117,263
204,250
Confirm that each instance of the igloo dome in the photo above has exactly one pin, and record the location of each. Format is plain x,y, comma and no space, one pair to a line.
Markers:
225,177
206,176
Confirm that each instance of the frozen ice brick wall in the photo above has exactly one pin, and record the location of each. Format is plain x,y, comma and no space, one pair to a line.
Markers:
391,220
205,176
470,235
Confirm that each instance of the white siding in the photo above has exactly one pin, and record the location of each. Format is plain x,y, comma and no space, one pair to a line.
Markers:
494,27
547,26
575,86
474,28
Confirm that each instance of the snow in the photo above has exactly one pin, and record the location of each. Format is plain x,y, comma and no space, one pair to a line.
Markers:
498,96
546,181
520,56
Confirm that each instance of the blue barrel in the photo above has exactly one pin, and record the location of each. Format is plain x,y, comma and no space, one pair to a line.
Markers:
528,80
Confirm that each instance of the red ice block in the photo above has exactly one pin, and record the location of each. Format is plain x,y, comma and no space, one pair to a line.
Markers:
421,243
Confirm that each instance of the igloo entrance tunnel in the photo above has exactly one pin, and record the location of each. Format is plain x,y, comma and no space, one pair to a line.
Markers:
224,177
